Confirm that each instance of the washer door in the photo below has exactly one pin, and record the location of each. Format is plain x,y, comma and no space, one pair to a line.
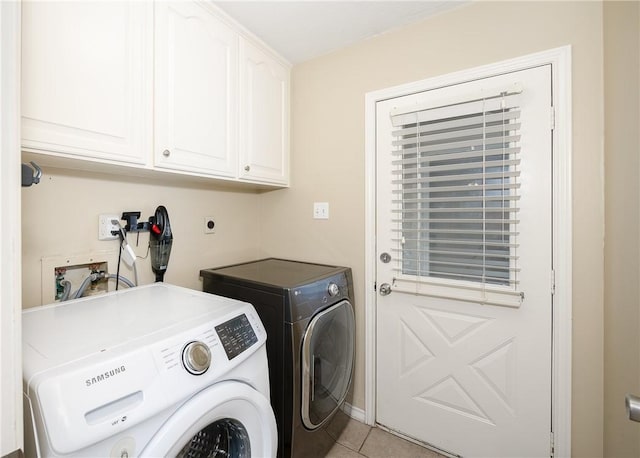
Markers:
327,363
226,419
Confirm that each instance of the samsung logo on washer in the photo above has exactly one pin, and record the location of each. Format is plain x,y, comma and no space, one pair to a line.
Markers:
105,375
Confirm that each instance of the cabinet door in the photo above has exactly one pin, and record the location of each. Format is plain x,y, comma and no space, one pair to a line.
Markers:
83,79
195,90
264,114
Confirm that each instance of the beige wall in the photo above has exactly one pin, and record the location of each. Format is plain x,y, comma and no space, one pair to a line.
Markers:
60,216
622,199
328,156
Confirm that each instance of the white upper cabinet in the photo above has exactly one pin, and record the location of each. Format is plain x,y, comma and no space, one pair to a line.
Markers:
264,116
167,86
195,98
84,81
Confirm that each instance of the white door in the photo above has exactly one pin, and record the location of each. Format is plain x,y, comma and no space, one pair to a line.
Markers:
195,109
464,303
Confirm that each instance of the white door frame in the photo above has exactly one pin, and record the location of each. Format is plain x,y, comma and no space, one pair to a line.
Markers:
11,434
560,60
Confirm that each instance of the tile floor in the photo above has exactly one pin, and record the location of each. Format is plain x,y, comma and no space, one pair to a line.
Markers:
357,440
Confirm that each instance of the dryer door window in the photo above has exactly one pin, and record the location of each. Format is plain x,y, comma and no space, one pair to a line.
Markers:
327,363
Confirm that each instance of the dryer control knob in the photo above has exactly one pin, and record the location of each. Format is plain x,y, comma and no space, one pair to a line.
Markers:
196,358
333,289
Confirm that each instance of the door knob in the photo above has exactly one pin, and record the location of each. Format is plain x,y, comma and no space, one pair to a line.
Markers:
385,289
633,407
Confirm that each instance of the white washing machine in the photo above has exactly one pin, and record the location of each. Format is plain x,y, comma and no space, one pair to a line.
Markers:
153,371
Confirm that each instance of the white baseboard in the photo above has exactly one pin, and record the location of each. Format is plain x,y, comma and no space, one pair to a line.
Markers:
354,412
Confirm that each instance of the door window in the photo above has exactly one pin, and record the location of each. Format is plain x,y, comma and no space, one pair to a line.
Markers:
327,363
456,183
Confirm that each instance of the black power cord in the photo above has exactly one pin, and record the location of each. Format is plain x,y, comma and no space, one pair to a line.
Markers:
123,237
118,268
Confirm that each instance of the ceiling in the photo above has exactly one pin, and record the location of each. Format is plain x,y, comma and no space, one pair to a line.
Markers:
301,30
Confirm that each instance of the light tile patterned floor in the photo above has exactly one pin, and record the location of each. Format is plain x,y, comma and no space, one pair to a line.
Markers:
357,440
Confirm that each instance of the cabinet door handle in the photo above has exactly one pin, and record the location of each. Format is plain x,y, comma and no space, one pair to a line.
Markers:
166,153
247,168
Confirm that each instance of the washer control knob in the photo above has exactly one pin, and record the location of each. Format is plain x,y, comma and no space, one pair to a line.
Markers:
333,289
196,357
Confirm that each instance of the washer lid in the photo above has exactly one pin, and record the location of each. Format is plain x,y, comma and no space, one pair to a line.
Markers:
64,332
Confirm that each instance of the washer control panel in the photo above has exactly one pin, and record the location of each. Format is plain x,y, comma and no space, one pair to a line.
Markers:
236,335
212,346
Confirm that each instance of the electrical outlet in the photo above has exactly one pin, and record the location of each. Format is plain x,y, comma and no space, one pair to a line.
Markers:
106,227
321,210
209,225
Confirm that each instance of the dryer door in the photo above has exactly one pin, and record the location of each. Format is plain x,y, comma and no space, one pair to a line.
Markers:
327,363
226,419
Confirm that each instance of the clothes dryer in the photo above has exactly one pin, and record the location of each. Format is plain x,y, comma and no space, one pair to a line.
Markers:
308,314
151,371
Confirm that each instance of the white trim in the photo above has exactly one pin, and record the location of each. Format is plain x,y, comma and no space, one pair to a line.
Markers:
353,412
562,256
370,257
11,430
560,60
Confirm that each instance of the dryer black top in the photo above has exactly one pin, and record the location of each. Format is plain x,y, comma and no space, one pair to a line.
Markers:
281,273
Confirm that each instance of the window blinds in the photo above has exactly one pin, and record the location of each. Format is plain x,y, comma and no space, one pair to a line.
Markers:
456,172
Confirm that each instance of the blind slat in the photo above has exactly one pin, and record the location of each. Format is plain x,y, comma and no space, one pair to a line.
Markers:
471,199
475,243
457,231
483,132
446,139
465,177
489,254
459,188
431,211
468,166
456,147
430,111
440,272
478,153
460,123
